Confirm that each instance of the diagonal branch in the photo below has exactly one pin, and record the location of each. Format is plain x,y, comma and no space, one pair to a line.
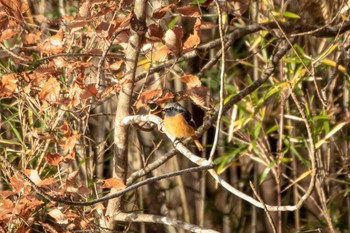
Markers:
134,217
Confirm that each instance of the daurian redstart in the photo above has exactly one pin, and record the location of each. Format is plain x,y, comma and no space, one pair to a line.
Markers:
178,123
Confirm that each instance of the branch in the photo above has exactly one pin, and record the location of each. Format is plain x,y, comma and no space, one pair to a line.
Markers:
134,217
288,27
202,162
107,197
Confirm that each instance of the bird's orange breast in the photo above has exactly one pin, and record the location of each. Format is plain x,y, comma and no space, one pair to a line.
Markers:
177,126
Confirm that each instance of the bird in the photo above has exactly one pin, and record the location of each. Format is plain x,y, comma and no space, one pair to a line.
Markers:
178,123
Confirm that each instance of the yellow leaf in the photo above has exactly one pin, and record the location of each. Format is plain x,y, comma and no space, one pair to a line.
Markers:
330,134
302,176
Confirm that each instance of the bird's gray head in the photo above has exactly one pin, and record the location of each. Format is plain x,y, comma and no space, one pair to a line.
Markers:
171,109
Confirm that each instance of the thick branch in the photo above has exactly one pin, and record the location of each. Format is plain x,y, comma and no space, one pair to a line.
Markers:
134,217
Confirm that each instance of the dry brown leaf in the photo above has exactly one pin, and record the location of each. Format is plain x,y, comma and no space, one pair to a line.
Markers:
47,182
114,88
68,143
53,158
103,27
6,193
82,190
155,96
84,9
32,37
17,183
160,12
98,207
54,44
161,54
67,132
26,205
208,25
148,96
9,33
6,209
115,183
50,91
76,25
33,175
194,39
71,178
191,81
59,217
173,39
155,32
198,95
117,65
8,84
59,62
190,11
167,95
70,157
123,36
73,97
89,90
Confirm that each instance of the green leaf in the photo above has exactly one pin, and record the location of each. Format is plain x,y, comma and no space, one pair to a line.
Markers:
173,22
291,15
266,171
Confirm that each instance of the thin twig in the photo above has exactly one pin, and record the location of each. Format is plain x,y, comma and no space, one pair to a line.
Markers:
107,197
222,85
264,206
13,54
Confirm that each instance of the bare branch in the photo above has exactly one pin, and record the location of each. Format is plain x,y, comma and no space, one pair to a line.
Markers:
134,217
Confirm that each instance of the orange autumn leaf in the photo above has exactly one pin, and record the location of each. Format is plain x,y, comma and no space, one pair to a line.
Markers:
190,11
47,182
50,91
9,33
17,183
191,81
6,193
53,158
194,39
89,90
147,96
8,84
54,44
69,142
32,37
160,12
6,209
66,129
26,205
115,183
161,54
155,96
114,88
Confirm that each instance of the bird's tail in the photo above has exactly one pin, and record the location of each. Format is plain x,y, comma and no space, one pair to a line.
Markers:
198,144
